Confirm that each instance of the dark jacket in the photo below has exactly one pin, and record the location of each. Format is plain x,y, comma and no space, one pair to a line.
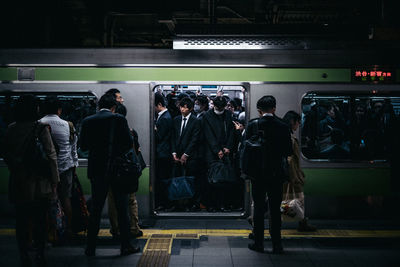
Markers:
95,137
278,137
163,136
23,185
218,133
187,142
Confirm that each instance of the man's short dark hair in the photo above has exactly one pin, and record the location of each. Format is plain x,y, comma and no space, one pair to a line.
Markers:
26,108
51,105
266,103
107,101
186,101
203,100
113,92
159,99
121,109
182,96
219,102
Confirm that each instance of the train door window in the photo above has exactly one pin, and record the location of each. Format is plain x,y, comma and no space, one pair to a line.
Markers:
76,106
192,148
349,127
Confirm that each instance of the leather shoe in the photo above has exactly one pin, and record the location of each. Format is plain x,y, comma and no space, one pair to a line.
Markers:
129,250
256,248
138,234
277,250
90,252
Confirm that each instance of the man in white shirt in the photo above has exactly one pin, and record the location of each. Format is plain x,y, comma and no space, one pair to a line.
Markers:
65,140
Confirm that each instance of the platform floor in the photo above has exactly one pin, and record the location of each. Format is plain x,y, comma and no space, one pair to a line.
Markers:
224,243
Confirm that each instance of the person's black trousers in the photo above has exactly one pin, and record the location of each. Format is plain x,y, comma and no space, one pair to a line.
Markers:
100,188
163,173
35,212
274,192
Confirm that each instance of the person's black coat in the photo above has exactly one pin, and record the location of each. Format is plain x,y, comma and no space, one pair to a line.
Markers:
215,135
277,134
187,142
163,136
95,137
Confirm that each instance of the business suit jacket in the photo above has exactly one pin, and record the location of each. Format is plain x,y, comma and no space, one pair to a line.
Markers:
95,137
278,137
216,138
187,142
163,136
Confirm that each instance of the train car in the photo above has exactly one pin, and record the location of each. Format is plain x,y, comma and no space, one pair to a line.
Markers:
315,83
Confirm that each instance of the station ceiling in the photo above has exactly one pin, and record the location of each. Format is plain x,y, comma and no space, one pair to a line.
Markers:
156,23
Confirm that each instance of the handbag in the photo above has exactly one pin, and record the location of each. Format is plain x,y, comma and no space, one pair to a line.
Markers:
181,187
221,171
80,213
57,223
124,170
292,210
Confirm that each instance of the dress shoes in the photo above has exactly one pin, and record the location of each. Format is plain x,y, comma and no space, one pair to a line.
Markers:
277,249
90,252
256,248
129,250
139,233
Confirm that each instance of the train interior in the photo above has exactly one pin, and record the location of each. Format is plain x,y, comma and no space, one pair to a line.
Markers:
207,200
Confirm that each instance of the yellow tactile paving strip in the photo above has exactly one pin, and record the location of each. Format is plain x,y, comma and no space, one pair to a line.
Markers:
195,233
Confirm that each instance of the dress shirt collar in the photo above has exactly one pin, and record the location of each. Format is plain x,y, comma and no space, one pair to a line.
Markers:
162,112
268,115
105,109
187,117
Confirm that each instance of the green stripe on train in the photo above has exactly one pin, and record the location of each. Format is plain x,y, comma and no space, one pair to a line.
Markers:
184,74
347,182
81,172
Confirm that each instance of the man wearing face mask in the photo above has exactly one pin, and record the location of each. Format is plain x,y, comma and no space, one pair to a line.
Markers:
218,137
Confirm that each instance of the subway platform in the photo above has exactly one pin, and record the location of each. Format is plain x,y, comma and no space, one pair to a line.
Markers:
223,242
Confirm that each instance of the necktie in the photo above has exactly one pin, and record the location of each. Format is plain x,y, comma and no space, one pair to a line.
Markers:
184,125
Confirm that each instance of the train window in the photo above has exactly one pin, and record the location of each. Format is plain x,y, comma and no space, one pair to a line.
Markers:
349,127
76,106
190,149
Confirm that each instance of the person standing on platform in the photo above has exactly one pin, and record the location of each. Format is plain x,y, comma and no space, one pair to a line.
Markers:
296,175
29,191
95,137
278,145
67,157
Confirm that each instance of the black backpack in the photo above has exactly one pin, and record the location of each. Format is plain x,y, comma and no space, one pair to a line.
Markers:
254,154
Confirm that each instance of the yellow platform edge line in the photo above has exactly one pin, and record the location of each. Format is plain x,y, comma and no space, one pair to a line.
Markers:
332,233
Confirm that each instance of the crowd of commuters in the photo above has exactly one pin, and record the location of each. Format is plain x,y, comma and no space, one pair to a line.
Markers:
192,132
32,190
361,129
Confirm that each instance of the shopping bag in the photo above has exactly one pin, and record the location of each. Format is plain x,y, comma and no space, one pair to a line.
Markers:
180,187
292,209
80,213
56,222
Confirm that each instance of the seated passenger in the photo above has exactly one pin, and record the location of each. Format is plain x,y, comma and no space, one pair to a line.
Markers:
338,149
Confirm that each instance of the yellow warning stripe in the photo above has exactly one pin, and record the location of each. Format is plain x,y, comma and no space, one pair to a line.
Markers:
329,233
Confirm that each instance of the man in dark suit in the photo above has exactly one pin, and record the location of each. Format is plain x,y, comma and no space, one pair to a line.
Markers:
278,146
162,133
185,139
218,135
95,137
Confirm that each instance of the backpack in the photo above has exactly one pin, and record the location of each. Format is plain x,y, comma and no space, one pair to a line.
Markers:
253,155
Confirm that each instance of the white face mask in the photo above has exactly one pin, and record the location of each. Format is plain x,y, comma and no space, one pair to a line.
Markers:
218,112
196,108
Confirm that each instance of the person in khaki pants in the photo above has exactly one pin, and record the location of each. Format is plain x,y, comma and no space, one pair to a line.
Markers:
132,203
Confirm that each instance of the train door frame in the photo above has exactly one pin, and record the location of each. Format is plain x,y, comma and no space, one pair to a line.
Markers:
247,199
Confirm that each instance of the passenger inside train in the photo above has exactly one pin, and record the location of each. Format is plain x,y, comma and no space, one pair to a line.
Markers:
198,132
